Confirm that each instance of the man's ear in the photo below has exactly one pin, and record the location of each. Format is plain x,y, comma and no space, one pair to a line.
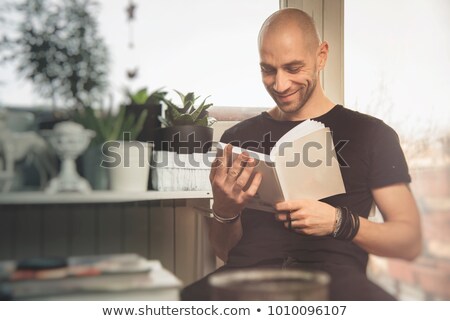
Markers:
322,55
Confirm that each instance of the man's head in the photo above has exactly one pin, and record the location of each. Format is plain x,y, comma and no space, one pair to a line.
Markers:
291,58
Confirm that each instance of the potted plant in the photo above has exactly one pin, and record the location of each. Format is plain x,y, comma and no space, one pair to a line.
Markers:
178,159
187,128
142,100
114,131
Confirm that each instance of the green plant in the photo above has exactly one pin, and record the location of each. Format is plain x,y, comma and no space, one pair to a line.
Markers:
110,126
142,96
57,46
187,114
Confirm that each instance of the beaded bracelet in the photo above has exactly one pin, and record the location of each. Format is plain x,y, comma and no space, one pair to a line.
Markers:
347,224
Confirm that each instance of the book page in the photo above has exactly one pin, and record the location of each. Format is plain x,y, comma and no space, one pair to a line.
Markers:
308,169
306,127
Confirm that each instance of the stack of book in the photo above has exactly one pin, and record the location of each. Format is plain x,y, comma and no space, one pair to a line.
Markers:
99,277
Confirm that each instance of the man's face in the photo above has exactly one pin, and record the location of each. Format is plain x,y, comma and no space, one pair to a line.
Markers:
288,68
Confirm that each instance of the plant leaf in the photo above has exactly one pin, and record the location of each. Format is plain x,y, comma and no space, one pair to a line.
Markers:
180,94
188,103
137,128
202,121
118,122
173,112
140,97
200,109
184,119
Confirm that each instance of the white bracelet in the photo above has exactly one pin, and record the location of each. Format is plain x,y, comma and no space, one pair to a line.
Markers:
338,222
225,220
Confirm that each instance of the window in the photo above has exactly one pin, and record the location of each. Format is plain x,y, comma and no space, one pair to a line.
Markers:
396,68
396,63
205,46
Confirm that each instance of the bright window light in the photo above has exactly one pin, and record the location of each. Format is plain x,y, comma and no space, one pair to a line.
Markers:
205,46
396,63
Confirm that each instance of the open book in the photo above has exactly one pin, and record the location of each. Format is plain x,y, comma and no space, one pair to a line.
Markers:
301,165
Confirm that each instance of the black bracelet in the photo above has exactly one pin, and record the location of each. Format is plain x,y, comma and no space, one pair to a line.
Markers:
347,225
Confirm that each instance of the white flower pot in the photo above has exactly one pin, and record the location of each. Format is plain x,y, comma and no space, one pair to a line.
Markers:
131,167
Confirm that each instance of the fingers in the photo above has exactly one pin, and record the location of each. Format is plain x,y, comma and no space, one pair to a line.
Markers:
290,205
236,168
282,216
219,166
253,188
293,221
228,155
214,166
234,179
242,180
298,216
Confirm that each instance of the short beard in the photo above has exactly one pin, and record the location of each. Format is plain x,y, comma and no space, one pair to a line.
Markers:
303,101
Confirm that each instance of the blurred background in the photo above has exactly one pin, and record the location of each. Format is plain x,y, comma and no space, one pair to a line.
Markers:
58,56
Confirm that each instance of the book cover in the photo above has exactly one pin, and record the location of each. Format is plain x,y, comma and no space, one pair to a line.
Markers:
301,165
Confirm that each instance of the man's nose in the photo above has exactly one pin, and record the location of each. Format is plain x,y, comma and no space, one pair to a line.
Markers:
282,82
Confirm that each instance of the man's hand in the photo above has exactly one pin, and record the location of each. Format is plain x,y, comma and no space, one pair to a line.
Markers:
307,216
232,182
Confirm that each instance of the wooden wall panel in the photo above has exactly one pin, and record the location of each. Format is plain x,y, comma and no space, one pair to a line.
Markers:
55,230
135,236
27,232
161,234
186,235
83,230
109,230
6,232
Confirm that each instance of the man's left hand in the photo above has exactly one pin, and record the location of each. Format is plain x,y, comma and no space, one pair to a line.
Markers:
307,216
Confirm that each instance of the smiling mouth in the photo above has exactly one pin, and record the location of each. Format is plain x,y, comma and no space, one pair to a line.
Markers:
286,96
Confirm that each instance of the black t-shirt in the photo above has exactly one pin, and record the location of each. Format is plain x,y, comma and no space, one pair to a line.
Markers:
370,156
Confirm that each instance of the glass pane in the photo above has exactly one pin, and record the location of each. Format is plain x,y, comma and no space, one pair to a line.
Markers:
206,46
397,68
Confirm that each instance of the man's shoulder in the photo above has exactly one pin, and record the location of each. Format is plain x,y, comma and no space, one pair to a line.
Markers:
357,116
361,120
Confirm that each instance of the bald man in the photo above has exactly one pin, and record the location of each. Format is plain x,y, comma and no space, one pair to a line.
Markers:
333,234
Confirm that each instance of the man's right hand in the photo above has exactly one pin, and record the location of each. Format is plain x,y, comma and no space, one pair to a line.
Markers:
233,182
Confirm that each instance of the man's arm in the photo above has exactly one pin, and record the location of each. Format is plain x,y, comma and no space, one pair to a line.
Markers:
399,236
232,185
224,237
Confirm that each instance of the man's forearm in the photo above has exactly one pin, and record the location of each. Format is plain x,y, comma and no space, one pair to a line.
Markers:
224,237
390,239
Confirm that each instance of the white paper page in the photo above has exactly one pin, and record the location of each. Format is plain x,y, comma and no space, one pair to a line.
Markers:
314,175
302,129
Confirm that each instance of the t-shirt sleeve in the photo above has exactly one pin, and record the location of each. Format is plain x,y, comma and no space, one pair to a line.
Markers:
225,138
387,162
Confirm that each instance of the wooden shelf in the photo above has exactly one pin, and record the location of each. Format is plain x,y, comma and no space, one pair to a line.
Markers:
23,198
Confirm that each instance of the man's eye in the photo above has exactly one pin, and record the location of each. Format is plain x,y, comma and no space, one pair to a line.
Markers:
293,70
267,71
